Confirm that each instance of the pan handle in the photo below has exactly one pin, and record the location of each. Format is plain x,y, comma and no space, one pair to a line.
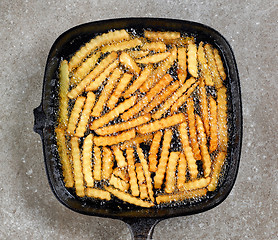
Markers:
141,228
39,119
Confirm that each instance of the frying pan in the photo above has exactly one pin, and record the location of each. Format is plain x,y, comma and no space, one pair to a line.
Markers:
141,221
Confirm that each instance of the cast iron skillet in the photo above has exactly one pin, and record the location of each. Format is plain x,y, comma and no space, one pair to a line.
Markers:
141,221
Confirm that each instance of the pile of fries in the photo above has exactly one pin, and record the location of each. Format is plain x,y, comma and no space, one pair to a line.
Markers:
142,118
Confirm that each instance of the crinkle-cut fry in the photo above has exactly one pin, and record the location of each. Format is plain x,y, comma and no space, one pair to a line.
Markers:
219,64
163,82
154,151
87,160
161,35
160,71
64,157
77,167
122,45
171,172
92,75
85,115
159,175
97,163
75,113
111,140
138,81
204,106
192,59
131,171
138,54
119,156
216,170
124,81
118,183
170,101
85,68
181,175
222,118
155,58
121,173
124,125
105,93
203,146
96,42
146,172
192,129
106,118
108,162
191,161
145,138
129,63
181,100
204,68
213,125
141,181
196,184
161,123
154,46
97,82
180,196
212,65
126,197
98,193
63,91
182,66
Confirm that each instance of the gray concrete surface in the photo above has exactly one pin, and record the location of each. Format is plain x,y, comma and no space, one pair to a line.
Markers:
29,210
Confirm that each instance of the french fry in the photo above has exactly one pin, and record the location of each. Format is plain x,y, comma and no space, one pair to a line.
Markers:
182,166
204,68
170,101
126,197
75,113
64,157
138,81
124,125
85,115
141,181
171,172
105,93
191,161
219,64
180,196
217,167
129,63
98,193
86,160
121,161
182,66
101,40
159,175
92,75
118,183
121,173
138,54
192,59
154,46
154,150
63,91
155,58
77,167
203,146
196,184
107,161
131,171
97,82
204,106
122,45
213,125
146,172
163,82
222,118
124,81
192,129
106,118
161,123
161,35
145,138
97,163
111,140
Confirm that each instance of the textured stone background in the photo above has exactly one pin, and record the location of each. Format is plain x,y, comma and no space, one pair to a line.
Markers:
29,210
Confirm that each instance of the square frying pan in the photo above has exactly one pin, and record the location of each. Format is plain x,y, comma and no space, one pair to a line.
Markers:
141,221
